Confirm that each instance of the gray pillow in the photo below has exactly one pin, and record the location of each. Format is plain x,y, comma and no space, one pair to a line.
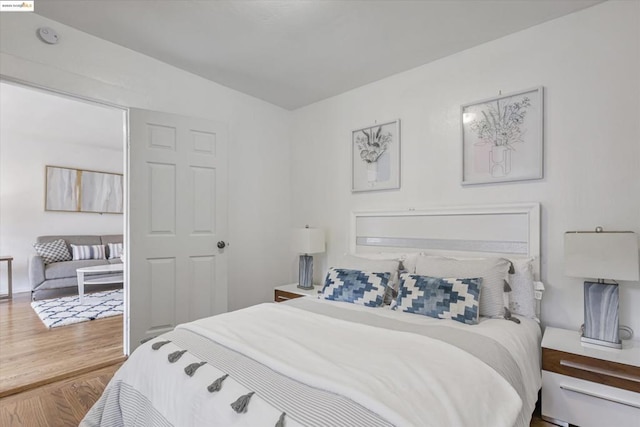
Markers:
493,271
51,252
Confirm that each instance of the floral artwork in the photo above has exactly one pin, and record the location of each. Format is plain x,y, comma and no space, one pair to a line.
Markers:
502,138
372,143
376,157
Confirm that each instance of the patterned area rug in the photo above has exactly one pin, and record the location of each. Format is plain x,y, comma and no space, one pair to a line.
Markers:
68,310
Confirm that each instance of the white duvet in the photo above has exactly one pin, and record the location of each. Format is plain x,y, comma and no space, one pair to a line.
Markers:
406,378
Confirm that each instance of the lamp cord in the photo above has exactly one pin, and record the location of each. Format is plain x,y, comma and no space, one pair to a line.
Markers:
627,330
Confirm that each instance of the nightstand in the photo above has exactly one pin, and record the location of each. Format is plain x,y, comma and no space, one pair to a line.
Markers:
287,292
587,386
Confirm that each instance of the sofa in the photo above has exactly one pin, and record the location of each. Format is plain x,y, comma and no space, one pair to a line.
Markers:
57,278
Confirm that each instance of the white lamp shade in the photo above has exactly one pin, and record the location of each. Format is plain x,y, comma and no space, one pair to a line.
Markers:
602,255
308,240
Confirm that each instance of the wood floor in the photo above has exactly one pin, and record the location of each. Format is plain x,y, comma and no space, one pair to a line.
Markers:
51,378
31,355
60,404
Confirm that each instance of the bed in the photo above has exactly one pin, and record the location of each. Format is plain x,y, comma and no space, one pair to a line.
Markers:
328,361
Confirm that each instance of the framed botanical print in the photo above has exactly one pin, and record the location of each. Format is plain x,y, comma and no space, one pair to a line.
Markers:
502,138
375,158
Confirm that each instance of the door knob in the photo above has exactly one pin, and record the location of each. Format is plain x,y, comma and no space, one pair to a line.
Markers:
221,244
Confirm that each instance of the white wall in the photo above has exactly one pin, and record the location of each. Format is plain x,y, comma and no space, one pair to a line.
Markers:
259,196
588,63
23,157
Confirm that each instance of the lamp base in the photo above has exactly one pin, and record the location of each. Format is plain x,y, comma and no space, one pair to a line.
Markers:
305,272
601,315
591,341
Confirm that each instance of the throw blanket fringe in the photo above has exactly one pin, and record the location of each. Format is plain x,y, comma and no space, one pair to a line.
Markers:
241,405
192,368
176,355
159,344
217,384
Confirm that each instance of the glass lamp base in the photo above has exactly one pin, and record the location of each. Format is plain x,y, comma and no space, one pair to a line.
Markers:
601,315
305,272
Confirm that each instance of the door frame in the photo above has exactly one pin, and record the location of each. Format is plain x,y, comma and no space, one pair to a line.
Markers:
126,143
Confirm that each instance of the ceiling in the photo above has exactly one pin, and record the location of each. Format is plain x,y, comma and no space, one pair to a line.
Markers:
57,119
293,53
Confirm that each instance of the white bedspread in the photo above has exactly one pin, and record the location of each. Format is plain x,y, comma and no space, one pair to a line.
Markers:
406,378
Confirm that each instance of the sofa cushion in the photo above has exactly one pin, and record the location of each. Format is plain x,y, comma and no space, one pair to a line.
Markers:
80,252
60,270
54,251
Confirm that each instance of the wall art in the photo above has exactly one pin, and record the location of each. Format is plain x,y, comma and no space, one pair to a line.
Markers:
502,138
376,157
78,190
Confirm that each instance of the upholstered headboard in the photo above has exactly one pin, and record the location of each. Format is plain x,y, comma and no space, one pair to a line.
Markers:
511,231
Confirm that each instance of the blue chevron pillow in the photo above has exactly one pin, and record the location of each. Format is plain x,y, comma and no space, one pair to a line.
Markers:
455,299
355,286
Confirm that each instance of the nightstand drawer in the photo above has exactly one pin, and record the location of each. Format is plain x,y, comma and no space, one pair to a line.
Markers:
614,374
280,296
588,404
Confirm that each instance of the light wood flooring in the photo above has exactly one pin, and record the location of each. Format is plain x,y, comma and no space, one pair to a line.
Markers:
50,378
31,355
60,404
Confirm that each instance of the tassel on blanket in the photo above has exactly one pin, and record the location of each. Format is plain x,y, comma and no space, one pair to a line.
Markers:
240,405
144,340
176,355
280,422
191,369
217,384
509,316
157,345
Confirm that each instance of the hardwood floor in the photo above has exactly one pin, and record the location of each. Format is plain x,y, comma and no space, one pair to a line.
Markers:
60,404
31,355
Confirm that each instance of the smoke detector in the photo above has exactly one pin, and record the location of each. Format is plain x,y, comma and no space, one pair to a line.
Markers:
48,35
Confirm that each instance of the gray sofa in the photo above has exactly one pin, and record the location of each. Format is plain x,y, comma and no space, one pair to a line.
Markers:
58,278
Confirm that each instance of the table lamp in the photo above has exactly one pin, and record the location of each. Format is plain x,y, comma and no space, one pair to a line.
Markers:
601,255
307,241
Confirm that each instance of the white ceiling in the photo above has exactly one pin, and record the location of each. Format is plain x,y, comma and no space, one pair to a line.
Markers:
293,53
41,115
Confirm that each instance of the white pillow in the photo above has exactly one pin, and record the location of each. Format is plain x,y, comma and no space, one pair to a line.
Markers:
522,300
115,250
493,271
408,259
81,252
354,262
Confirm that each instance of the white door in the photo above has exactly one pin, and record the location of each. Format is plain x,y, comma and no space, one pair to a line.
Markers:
177,222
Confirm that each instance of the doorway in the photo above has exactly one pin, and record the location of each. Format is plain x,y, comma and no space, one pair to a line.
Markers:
42,128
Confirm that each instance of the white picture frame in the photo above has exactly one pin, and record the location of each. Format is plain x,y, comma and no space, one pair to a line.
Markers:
375,157
502,138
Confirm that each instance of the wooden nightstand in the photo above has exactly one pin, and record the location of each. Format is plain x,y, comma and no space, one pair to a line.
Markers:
587,386
287,292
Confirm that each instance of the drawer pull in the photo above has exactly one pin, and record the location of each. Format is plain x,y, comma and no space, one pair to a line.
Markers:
600,396
601,371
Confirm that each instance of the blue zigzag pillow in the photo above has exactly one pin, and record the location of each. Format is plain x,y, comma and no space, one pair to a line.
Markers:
355,286
442,298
